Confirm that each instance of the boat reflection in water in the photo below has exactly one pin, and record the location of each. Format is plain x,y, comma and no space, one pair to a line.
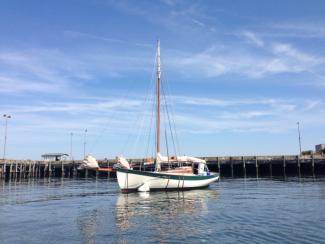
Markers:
88,224
165,214
147,216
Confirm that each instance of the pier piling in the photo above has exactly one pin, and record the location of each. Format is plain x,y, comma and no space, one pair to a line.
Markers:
232,167
313,165
244,166
298,164
62,170
256,165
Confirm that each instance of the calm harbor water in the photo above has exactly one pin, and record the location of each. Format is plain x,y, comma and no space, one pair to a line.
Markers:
230,211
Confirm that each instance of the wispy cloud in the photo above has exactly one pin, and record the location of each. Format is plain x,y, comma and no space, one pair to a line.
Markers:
199,23
208,114
289,51
46,70
266,121
252,38
47,64
80,35
78,107
179,16
273,58
13,85
54,70
38,70
77,34
170,2
276,104
296,29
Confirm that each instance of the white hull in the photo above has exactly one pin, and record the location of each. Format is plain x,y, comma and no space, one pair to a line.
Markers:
132,180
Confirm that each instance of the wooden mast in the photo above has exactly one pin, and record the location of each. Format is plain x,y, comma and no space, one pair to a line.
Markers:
158,98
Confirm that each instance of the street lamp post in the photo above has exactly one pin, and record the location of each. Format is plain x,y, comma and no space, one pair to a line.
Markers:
85,142
71,135
299,137
6,116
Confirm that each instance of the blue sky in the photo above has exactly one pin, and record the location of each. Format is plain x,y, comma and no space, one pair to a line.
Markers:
240,75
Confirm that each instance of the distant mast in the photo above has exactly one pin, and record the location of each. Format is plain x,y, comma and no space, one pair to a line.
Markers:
158,98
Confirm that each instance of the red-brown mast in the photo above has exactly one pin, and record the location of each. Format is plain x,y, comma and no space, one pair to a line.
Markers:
158,97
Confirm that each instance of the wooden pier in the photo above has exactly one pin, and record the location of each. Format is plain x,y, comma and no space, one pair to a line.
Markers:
264,166
41,169
235,166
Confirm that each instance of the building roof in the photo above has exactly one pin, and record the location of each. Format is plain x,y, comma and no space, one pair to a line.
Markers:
48,155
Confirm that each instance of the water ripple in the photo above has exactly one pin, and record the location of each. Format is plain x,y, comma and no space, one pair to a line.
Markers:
233,210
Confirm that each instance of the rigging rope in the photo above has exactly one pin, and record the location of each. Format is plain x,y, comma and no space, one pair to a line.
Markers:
110,121
139,122
172,123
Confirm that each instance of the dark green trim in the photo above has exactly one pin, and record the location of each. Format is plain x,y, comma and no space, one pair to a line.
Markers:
165,189
166,176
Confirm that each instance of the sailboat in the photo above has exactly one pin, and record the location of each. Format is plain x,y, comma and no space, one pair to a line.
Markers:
187,173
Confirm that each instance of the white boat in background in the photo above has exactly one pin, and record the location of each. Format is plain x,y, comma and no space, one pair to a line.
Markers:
170,173
190,172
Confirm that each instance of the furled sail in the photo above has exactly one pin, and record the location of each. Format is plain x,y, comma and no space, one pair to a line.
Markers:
89,163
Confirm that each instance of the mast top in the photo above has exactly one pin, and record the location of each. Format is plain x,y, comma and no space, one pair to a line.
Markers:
158,102
158,59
